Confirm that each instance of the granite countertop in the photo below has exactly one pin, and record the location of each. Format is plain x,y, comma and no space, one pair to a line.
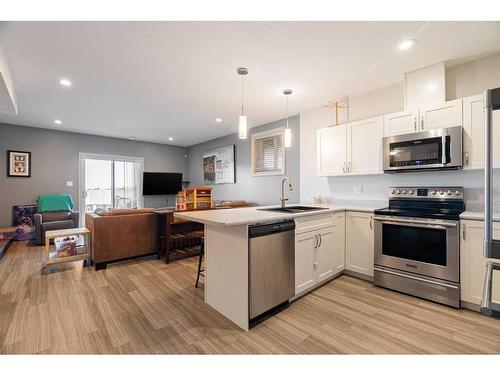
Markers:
252,215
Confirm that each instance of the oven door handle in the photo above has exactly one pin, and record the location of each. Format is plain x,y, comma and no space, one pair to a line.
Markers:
415,223
443,150
383,270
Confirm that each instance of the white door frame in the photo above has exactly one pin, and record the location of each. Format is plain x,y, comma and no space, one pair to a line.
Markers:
81,176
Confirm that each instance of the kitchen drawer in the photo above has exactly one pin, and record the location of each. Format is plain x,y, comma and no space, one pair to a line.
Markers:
313,222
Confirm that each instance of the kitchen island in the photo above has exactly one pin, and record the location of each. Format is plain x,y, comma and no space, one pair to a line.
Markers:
227,251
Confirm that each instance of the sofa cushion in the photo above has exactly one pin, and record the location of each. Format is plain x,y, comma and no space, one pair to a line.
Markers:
60,224
56,216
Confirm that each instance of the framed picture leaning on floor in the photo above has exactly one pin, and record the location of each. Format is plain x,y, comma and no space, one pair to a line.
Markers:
18,163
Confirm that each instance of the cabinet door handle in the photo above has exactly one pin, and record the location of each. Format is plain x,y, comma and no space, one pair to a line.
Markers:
415,123
422,123
349,167
320,240
463,232
316,241
466,157
371,222
343,168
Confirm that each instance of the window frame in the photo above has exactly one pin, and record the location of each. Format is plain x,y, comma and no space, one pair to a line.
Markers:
267,134
82,156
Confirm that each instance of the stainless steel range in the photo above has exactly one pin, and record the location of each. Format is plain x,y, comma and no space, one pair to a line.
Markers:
417,243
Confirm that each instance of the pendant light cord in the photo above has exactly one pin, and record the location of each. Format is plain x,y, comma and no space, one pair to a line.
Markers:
287,111
242,94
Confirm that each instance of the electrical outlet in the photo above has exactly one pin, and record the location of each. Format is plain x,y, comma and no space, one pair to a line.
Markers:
69,183
358,189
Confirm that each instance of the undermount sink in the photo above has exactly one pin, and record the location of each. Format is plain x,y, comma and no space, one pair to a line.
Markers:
293,209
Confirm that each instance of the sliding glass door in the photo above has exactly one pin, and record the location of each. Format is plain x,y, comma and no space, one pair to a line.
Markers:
108,181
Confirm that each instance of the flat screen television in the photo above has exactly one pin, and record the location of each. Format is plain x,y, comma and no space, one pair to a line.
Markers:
161,183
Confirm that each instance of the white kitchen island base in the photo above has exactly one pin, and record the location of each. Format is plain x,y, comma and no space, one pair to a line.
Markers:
226,272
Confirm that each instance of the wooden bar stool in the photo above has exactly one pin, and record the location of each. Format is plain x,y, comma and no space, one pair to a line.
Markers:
200,260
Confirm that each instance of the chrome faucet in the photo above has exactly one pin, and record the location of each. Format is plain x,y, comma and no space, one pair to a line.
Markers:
283,198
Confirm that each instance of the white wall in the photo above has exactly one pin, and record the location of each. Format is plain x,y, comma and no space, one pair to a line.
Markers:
473,77
462,80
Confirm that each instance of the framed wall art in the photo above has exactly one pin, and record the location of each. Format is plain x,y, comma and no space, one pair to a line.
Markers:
18,163
218,166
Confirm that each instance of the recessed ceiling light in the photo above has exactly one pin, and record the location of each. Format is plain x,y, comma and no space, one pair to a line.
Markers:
65,82
57,122
132,138
170,139
218,119
407,44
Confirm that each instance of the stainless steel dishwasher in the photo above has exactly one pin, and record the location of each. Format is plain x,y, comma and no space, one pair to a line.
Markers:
271,265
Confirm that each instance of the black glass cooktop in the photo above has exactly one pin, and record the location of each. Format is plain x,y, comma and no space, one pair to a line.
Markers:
445,214
431,209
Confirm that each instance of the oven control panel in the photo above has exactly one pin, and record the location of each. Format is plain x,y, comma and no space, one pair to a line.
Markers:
432,192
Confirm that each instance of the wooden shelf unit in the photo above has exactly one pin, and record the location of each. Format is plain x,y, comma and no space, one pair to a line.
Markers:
177,238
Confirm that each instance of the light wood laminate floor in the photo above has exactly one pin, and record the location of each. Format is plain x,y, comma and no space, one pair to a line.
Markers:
151,307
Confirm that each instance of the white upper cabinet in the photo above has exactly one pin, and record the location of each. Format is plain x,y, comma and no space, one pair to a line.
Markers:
401,123
430,117
444,115
331,149
364,146
474,133
352,148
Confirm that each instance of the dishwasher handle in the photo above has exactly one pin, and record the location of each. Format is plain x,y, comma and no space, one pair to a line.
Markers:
272,228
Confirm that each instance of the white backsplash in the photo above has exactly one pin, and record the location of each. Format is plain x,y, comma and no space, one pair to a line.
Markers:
375,187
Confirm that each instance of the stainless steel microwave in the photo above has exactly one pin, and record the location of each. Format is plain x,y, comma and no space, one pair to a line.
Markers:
431,149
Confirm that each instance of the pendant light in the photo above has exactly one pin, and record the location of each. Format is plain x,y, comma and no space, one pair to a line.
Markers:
242,123
288,131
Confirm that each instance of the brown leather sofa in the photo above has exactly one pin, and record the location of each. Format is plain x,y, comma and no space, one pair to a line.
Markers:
53,221
120,235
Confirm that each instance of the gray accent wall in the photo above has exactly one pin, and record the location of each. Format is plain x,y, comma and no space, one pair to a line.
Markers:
256,190
55,157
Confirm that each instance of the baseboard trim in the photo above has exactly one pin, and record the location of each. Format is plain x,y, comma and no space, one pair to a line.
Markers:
312,289
102,265
359,275
4,250
470,306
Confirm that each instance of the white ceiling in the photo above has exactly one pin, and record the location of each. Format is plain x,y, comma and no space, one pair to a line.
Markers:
155,80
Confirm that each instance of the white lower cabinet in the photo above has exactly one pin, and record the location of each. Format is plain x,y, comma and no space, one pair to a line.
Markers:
305,261
319,250
359,247
472,262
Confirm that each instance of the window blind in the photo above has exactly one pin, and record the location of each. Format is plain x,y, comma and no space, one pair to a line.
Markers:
268,154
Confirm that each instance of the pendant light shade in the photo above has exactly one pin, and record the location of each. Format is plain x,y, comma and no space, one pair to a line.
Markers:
288,131
242,127
288,137
242,122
